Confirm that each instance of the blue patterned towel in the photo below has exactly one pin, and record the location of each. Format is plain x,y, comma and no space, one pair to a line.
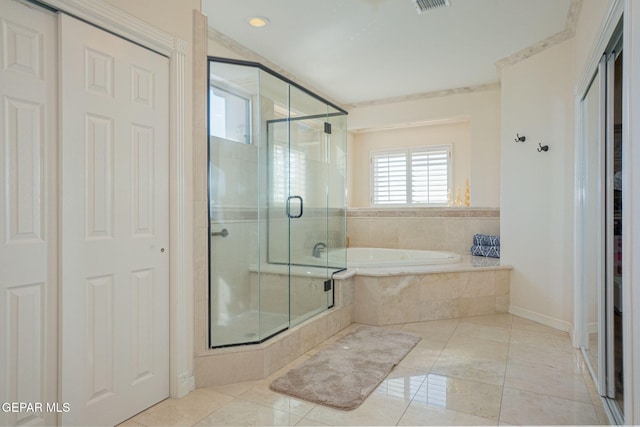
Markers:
485,250
486,240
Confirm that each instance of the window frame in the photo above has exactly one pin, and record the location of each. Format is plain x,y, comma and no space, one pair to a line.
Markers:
408,152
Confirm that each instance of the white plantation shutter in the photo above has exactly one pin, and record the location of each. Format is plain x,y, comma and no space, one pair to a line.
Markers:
429,176
411,176
389,178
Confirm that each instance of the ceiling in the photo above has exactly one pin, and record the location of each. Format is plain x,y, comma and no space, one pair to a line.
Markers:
360,51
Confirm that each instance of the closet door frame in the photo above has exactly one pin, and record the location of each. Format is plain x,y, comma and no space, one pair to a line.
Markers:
631,212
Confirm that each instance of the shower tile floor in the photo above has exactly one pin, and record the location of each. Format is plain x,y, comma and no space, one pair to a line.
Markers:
483,370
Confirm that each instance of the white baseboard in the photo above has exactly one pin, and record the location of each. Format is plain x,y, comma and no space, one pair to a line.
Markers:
544,319
186,384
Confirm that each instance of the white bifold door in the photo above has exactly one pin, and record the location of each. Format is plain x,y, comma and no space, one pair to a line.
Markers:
114,236
28,225
84,223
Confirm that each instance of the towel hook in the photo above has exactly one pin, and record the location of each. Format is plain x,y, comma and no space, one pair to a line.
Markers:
520,138
542,148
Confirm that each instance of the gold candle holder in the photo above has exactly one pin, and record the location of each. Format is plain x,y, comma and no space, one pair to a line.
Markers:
467,194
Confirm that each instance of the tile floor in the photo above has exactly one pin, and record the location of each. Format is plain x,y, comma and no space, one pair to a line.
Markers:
484,370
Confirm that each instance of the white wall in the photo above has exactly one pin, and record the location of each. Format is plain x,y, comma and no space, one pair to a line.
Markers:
173,17
455,134
536,208
481,109
538,189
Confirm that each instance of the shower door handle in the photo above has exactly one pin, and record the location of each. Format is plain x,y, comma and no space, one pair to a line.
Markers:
289,206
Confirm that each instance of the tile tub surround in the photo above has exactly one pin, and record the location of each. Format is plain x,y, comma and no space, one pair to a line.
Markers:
254,362
384,297
442,229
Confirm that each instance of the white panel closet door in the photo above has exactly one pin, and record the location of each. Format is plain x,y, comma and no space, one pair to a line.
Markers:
115,226
28,282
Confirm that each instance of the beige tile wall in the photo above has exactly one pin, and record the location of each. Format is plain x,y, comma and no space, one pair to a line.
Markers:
443,229
200,210
390,300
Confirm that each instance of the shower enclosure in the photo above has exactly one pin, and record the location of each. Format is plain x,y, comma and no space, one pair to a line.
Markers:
277,202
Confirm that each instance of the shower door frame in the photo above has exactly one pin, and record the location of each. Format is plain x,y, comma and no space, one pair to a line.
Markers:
270,259
328,269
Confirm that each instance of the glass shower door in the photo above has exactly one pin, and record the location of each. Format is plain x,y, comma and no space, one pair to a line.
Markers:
299,163
308,237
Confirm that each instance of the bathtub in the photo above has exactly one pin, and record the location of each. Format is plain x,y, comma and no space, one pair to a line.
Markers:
381,257
359,258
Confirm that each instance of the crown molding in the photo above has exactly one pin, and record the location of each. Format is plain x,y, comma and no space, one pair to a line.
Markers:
426,95
569,31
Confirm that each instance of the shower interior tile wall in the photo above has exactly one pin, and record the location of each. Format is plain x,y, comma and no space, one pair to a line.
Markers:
306,232
452,234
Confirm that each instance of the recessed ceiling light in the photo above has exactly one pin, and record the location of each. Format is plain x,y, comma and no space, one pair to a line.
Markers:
258,21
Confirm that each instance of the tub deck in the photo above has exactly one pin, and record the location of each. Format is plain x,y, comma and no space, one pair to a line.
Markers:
467,263
403,294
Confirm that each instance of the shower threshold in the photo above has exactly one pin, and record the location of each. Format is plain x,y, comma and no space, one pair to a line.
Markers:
247,328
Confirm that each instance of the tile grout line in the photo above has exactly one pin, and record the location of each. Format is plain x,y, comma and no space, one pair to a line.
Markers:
506,366
425,377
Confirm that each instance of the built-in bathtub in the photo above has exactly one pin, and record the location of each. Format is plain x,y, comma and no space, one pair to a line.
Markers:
378,257
390,288
382,257
403,285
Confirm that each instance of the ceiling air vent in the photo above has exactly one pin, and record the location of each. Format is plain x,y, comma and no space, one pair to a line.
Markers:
423,6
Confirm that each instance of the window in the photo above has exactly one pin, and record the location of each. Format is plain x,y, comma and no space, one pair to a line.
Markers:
414,176
229,115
